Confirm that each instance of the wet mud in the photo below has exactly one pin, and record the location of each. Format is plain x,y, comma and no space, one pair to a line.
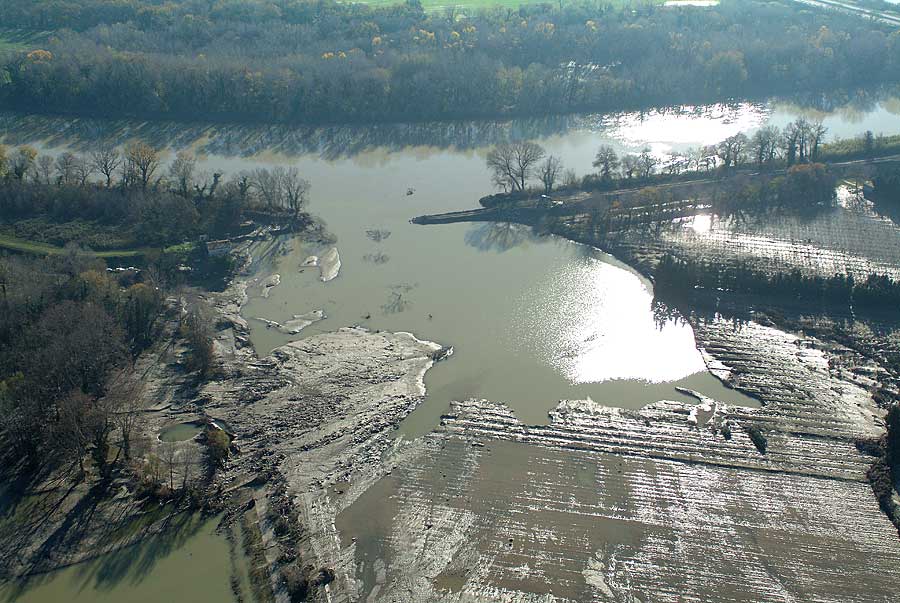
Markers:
615,505
676,501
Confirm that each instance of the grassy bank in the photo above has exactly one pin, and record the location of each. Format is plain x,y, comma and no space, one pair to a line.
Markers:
33,247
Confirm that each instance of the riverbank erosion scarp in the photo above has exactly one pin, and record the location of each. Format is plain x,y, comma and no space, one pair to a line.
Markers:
651,505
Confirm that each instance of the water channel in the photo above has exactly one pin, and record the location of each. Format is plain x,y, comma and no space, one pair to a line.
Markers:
532,320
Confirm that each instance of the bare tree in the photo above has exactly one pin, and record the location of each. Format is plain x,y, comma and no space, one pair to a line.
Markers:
23,162
676,162
106,160
267,185
764,145
181,173
197,329
607,161
190,460
65,168
44,169
570,178
630,166
647,163
82,170
789,141
450,14
71,434
142,161
125,400
168,453
513,164
280,187
296,189
100,427
731,150
817,132
803,135
206,184
549,172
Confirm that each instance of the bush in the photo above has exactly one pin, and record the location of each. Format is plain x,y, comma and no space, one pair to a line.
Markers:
197,330
756,436
218,444
296,582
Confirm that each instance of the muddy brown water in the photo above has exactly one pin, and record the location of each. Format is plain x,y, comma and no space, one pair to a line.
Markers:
190,563
532,320
180,432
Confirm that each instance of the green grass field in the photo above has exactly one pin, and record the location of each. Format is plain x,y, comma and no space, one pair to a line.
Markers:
15,39
24,246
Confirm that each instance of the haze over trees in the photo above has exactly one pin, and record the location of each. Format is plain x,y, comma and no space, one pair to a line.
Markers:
303,61
515,165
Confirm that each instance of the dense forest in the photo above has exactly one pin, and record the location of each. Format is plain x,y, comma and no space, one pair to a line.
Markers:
70,332
325,61
67,325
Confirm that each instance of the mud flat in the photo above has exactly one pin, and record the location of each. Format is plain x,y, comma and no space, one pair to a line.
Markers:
329,265
295,324
315,420
619,505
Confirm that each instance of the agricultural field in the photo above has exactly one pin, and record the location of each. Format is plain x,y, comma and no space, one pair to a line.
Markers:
15,39
437,5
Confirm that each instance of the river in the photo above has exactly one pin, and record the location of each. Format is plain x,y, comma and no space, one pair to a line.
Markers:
532,320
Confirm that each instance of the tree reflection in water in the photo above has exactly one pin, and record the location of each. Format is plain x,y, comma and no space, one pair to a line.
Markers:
499,236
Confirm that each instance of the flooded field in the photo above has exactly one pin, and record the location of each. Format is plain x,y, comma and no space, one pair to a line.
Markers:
851,238
511,495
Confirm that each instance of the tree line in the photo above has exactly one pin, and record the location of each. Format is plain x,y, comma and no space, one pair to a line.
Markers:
324,61
801,141
515,166
131,198
683,279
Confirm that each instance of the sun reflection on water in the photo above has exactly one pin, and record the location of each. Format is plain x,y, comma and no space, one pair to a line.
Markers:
701,224
595,323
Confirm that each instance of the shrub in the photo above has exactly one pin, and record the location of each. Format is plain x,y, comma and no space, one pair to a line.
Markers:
217,444
756,436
